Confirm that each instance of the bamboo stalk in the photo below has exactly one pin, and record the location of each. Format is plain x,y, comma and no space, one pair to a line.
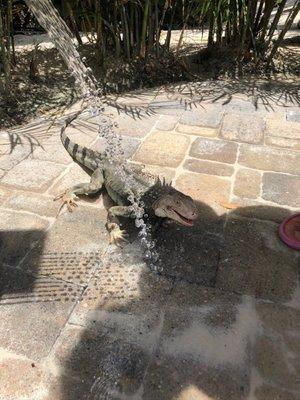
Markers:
294,11
275,22
5,58
144,29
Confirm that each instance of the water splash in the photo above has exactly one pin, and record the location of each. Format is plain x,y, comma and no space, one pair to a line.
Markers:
60,34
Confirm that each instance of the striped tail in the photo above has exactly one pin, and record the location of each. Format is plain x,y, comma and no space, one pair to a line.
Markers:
83,155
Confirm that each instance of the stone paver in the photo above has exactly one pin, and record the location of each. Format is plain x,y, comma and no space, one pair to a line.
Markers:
32,175
281,189
283,142
215,317
254,261
32,378
247,184
214,150
167,123
19,233
32,202
166,106
150,153
197,130
243,127
282,128
133,125
208,167
34,310
270,159
206,116
211,190
74,258
293,114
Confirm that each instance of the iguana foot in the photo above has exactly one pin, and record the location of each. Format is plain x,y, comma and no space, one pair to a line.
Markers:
116,235
68,199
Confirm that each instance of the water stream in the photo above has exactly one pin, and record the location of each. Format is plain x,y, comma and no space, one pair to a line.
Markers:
60,34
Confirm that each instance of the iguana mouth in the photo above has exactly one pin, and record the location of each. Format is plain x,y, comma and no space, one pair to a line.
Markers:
184,220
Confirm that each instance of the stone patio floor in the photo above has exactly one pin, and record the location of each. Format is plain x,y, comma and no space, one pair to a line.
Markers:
83,320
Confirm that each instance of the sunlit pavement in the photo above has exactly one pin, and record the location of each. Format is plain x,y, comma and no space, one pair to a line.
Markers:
219,319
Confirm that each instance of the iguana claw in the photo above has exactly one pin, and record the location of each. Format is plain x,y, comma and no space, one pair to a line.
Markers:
68,199
116,235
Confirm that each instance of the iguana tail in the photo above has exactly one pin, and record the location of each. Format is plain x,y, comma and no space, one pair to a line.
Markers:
83,155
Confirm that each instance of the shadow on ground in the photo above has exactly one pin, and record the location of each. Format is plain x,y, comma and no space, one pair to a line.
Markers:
185,331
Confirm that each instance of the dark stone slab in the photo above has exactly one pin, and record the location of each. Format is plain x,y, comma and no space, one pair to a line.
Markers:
255,261
188,254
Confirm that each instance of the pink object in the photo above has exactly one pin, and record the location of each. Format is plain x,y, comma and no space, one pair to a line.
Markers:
289,231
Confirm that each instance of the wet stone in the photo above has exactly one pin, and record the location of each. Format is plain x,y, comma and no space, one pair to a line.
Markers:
156,149
33,308
243,128
276,351
207,167
203,351
32,175
281,189
103,364
269,392
116,299
255,261
214,150
188,254
247,184
270,159
19,233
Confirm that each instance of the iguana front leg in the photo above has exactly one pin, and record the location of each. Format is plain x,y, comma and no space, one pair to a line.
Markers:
116,234
69,196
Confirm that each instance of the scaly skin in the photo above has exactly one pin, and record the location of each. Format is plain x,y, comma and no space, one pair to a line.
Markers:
160,199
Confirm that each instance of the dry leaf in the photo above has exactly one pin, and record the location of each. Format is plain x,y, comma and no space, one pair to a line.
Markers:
228,206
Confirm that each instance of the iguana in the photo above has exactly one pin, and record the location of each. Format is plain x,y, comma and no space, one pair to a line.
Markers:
160,199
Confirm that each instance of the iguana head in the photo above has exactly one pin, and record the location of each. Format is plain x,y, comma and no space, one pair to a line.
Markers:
176,206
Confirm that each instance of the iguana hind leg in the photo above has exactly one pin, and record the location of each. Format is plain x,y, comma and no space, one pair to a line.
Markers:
116,234
69,196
